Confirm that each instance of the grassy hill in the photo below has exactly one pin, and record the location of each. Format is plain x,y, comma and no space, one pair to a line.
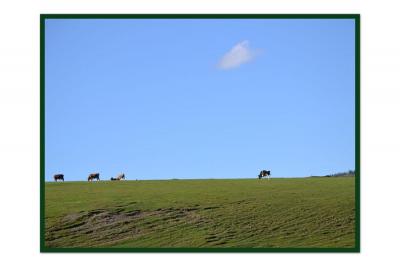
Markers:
285,212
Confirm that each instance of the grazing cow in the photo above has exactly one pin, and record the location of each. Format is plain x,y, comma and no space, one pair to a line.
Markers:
94,176
119,177
58,177
264,173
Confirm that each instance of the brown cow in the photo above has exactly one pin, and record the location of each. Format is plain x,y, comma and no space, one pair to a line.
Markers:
58,177
94,176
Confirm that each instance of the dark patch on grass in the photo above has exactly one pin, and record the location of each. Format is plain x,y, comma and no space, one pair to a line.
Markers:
96,227
210,208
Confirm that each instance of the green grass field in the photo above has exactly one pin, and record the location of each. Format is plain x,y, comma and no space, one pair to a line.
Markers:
284,212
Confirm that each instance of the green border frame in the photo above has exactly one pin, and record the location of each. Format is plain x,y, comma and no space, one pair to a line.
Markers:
43,17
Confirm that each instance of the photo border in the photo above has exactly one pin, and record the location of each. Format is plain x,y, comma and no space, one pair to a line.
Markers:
356,17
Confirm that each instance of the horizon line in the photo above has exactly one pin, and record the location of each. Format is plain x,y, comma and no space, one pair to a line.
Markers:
208,178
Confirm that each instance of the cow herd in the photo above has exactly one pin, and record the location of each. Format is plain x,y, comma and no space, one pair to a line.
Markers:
91,177
96,176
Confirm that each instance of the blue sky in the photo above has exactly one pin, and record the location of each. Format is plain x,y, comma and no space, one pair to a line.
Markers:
199,98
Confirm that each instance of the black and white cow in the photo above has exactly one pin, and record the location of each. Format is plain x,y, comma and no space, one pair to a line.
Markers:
119,177
264,173
94,176
58,177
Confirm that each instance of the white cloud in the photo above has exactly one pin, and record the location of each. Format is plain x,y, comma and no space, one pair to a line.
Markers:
239,54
